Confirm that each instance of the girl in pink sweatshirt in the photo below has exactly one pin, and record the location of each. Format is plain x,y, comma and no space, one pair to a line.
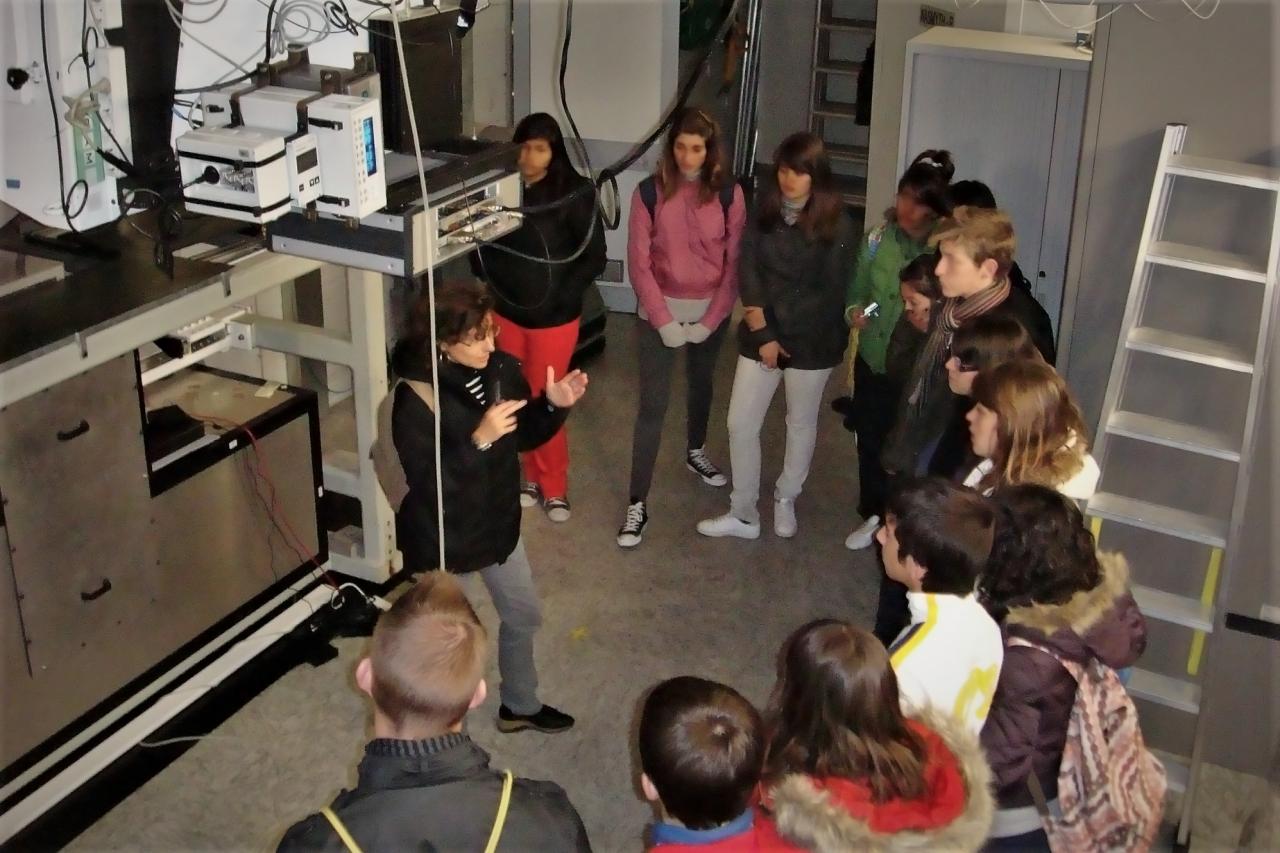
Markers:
682,255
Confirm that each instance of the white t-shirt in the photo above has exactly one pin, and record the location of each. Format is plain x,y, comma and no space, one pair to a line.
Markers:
949,657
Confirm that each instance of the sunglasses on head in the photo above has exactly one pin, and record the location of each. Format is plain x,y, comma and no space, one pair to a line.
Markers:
963,359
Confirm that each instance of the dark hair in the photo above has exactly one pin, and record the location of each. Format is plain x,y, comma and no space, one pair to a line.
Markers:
926,180
702,746
992,340
1043,553
463,306
919,274
803,153
835,712
972,194
560,171
698,122
946,528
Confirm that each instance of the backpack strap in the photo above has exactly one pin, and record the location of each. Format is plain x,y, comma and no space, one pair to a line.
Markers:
1073,669
338,827
648,189
423,390
500,819
873,242
726,200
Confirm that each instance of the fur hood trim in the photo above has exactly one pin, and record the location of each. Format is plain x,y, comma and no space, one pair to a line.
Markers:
1084,609
806,815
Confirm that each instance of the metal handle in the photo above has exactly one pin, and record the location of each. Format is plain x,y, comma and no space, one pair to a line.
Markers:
75,432
97,593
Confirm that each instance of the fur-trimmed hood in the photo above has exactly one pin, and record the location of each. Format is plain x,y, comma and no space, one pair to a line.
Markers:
812,818
1096,622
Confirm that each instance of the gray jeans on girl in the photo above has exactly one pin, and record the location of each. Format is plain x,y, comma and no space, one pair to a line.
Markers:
511,589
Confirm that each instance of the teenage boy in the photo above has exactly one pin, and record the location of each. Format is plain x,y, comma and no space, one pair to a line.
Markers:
701,752
423,784
936,541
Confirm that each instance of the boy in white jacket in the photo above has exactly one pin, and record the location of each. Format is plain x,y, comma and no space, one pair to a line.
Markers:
936,539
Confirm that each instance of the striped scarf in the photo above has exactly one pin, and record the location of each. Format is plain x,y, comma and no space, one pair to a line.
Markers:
931,364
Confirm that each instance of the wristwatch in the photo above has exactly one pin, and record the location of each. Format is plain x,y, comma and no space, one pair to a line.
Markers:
478,446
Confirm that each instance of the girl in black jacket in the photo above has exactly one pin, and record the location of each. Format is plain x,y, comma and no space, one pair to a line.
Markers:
487,415
792,270
539,304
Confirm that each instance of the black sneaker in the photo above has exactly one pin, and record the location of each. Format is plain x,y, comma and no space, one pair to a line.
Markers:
530,495
632,529
842,405
557,509
698,463
547,720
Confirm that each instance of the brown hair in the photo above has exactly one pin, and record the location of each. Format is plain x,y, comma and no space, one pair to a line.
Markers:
982,234
428,655
803,153
946,528
991,340
463,306
695,121
702,746
835,712
1038,419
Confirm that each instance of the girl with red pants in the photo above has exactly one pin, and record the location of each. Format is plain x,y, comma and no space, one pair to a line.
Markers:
539,304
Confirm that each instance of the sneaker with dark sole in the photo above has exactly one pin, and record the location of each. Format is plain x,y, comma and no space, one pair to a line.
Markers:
698,463
557,509
530,495
547,720
632,530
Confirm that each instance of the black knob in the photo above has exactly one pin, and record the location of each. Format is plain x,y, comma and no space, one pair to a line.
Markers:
17,78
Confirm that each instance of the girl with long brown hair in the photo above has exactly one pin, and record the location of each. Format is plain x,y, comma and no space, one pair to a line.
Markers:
793,267
847,770
1027,428
682,256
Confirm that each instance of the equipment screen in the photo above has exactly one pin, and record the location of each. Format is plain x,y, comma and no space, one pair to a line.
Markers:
370,154
307,161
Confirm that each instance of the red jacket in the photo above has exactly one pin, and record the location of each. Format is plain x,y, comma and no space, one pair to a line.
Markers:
835,814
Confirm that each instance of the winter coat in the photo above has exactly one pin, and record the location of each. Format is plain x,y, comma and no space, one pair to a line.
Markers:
440,794
1026,729
837,815
688,249
481,487
800,285
536,295
875,279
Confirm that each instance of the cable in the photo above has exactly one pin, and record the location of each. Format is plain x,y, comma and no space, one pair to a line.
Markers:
1195,10
63,194
1146,14
1090,26
431,295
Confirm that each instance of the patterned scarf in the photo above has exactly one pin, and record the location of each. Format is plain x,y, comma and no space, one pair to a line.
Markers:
954,313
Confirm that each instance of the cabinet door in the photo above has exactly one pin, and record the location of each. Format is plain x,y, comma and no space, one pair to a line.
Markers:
997,120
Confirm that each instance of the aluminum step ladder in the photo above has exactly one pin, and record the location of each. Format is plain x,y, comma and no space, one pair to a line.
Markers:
1230,438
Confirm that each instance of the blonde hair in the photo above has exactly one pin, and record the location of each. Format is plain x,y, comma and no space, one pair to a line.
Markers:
428,655
1040,433
982,234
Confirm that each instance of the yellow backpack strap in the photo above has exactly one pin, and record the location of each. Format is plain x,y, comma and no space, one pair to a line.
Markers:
500,819
338,827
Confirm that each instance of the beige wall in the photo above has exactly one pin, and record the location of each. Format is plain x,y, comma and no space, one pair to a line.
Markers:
1221,78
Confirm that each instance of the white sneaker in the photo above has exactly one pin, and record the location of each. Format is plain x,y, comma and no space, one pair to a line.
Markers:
864,535
729,525
784,517
530,495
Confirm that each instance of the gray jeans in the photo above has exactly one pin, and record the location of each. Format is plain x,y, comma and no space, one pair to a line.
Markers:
656,361
510,586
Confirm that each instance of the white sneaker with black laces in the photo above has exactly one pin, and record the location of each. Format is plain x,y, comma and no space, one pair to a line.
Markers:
864,535
530,495
698,463
632,530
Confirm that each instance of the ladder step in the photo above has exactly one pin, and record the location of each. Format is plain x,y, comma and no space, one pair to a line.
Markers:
1225,171
1174,609
1161,519
1163,690
1189,348
1207,260
839,66
1193,439
844,153
1177,769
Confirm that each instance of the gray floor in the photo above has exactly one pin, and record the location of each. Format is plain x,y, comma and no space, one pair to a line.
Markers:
615,624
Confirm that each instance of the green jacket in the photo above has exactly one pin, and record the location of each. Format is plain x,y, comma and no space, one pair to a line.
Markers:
884,252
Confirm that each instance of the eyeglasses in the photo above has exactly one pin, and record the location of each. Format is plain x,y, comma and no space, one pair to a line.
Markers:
962,364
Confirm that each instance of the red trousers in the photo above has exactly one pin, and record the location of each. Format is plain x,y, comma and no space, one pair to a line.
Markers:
548,465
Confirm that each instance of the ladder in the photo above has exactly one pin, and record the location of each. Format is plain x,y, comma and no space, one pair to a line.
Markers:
832,30
1230,438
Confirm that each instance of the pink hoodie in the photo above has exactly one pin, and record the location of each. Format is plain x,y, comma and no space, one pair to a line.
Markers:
686,253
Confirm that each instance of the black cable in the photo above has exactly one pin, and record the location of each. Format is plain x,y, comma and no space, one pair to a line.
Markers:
610,223
271,13
57,131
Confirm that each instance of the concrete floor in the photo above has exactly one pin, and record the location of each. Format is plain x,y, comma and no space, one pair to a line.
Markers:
616,623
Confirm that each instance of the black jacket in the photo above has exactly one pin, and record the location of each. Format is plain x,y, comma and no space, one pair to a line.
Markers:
1023,307
440,795
481,487
537,295
800,284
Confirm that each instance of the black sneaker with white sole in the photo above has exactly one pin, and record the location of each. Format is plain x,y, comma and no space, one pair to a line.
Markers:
698,463
546,719
632,529
530,495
